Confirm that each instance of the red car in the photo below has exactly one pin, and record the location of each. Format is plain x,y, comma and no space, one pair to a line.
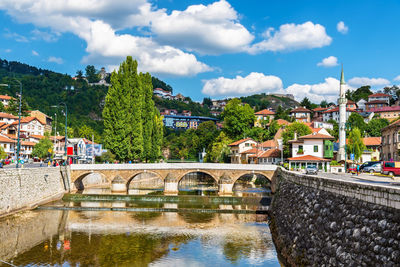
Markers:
7,161
391,168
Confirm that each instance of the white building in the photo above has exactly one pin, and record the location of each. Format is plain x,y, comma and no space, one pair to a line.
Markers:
159,92
7,118
361,104
239,147
334,114
5,99
379,97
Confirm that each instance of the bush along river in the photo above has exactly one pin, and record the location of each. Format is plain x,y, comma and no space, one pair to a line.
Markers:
195,228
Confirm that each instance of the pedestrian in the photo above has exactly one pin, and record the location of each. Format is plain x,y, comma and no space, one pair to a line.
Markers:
358,168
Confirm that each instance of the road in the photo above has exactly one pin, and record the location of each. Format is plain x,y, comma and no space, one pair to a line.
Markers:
26,165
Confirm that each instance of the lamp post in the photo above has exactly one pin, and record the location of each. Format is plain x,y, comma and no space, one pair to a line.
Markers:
19,120
66,130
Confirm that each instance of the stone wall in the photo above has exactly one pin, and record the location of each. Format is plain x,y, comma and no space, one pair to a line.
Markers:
25,188
326,222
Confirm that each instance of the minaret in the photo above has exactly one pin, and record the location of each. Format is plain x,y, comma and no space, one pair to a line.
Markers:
342,119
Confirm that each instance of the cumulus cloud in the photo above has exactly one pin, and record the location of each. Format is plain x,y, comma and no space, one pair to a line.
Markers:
251,84
360,81
207,29
328,62
397,78
293,37
57,60
46,36
16,36
342,28
35,53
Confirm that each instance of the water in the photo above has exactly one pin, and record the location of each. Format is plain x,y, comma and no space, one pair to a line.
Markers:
122,238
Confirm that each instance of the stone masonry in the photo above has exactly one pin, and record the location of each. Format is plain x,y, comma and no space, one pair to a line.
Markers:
323,222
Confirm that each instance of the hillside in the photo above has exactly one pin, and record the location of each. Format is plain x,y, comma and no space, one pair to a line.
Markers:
262,101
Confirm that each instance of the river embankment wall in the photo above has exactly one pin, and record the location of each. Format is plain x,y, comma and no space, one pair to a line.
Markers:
317,221
27,188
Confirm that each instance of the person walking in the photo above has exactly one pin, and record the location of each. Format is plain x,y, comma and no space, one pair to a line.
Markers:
358,168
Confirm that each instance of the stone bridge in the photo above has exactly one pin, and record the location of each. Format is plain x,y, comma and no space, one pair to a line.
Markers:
118,176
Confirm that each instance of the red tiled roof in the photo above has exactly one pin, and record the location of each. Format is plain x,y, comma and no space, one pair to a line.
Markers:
269,143
253,150
379,95
281,122
37,136
27,143
300,109
4,139
265,112
271,153
7,115
319,109
240,141
6,97
307,158
385,109
370,141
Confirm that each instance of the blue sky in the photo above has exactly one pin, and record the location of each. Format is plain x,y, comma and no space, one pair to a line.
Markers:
213,48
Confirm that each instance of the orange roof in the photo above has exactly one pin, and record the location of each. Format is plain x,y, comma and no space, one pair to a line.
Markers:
282,122
269,143
319,109
316,130
7,115
370,141
307,158
336,109
240,141
6,97
316,136
379,95
37,136
253,150
265,112
27,143
27,120
271,153
59,137
300,109
12,136
4,139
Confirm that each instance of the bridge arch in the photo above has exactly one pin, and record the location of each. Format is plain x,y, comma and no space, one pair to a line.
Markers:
197,171
145,180
257,181
197,180
91,179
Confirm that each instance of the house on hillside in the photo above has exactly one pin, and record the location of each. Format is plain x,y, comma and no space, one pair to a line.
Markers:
318,113
390,145
361,104
239,148
333,114
379,97
5,100
351,104
263,115
161,93
390,113
312,149
375,104
301,114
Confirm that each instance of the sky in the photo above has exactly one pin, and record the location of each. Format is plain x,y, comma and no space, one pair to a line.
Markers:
214,49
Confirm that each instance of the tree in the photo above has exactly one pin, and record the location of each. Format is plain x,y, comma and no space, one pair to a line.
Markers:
91,74
306,103
238,118
335,131
41,149
360,93
355,120
107,156
13,107
375,126
207,132
3,154
157,83
281,113
79,74
288,134
147,115
207,101
220,149
355,143
257,133
273,129
324,104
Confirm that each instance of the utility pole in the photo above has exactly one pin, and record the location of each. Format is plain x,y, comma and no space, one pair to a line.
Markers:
92,148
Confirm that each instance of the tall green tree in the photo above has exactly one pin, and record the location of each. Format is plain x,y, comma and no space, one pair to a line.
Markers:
157,137
375,126
306,103
147,114
238,118
296,127
91,74
355,144
220,149
41,149
355,120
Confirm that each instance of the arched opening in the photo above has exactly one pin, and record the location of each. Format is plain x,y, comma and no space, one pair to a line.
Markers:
252,184
198,183
145,183
92,183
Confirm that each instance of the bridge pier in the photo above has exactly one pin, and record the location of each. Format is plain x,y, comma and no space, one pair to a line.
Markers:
171,185
225,185
118,185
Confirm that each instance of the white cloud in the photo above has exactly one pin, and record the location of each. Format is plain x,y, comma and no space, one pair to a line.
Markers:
293,37
328,62
57,60
16,36
251,84
35,53
328,90
360,81
46,36
210,29
8,50
397,78
342,28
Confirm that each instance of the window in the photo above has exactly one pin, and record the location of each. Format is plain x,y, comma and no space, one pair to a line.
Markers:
247,144
315,148
394,138
389,164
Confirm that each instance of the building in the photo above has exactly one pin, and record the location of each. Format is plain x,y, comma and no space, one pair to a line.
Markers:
180,122
334,114
379,97
186,113
389,113
319,124
265,115
351,104
7,118
315,149
239,148
215,113
361,104
390,142
31,126
372,151
43,118
318,113
218,104
301,114
5,100
179,97
169,112
161,93
375,104
9,145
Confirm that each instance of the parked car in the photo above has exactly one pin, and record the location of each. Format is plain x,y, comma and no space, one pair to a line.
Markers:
371,168
368,164
352,168
311,169
391,168
7,161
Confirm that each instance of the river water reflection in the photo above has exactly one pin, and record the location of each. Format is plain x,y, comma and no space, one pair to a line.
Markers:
121,238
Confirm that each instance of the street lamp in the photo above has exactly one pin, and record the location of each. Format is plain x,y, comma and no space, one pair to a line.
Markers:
19,119
66,130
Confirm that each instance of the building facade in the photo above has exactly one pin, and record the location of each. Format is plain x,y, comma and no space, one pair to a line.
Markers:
180,122
390,142
265,115
301,114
